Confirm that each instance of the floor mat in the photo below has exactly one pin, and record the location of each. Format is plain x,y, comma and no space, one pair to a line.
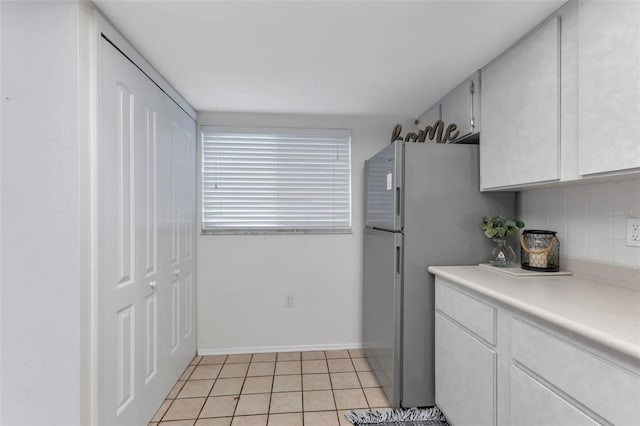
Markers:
398,417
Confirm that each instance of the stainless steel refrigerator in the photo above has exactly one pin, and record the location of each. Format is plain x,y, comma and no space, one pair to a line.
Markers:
423,207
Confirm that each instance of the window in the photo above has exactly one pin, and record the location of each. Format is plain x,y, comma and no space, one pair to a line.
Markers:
276,180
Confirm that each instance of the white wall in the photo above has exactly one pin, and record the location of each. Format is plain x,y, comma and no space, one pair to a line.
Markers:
40,214
244,279
1,139
88,177
590,218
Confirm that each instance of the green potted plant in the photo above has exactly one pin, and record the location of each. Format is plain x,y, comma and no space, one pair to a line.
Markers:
498,228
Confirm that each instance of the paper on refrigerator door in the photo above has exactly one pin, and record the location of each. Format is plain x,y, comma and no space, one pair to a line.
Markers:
389,181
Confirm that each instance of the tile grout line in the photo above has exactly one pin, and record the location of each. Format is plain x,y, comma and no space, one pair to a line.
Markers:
235,408
333,394
273,381
359,381
361,388
206,399
166,411
174,399
302,384
244,378
301,394
178,392
215,380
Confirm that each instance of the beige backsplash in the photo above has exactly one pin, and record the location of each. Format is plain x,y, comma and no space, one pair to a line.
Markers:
622,276
590,219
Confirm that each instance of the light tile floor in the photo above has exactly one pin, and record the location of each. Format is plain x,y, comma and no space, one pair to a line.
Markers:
272,389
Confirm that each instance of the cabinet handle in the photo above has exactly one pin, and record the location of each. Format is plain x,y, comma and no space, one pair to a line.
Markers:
176,272
153,284
472,89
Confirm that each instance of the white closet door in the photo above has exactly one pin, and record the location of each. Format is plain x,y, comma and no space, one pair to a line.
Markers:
178,181
184,189
139,361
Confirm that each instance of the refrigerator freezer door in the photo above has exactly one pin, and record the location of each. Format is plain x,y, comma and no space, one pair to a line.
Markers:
443,212
383,183
382,316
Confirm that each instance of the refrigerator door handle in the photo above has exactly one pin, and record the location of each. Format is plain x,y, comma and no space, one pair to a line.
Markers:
398,201
398,261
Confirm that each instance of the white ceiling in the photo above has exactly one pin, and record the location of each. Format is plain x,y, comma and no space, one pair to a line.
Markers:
321,57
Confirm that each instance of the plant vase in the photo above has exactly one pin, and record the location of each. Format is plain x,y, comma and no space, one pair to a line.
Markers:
502,255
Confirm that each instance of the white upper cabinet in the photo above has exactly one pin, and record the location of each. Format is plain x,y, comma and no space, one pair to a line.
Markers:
459,111
608,86
461,106
520,106
546,119
430,116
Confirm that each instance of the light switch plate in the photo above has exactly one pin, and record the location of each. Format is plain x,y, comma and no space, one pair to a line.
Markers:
633,231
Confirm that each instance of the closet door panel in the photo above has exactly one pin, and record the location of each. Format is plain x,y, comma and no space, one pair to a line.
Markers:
141,233
150,191
188,313
151,334
176,233
150,329
120,279
181,131
188,218
149,230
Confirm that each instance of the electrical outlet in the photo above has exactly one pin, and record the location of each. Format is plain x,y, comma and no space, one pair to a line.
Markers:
288,301
633,231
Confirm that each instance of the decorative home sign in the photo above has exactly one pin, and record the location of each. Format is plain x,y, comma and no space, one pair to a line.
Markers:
429,132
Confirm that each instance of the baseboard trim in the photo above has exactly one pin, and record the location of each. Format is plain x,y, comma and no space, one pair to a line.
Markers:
265,349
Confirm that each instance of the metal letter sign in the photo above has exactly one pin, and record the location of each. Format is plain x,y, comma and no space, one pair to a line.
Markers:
429,132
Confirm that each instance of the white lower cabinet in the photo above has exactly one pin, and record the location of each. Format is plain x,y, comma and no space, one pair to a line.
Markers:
533,404
465,375
528,373
570,368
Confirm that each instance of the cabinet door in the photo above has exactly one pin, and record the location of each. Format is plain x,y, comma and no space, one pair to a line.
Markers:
520,104
558,361
465,376
460,106
430,116
534,404
608,86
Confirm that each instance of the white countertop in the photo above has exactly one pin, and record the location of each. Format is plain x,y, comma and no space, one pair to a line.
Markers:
606,314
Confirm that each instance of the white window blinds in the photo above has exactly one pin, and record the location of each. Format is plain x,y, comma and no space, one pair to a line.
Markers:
276,180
